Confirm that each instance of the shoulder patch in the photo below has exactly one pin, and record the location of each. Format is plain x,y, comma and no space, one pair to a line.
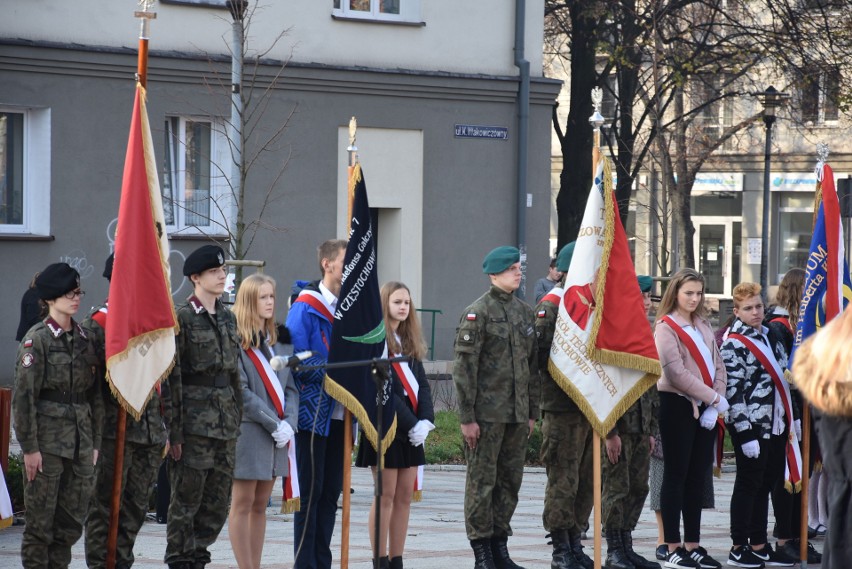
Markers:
471,316
27,359
541,313
28,343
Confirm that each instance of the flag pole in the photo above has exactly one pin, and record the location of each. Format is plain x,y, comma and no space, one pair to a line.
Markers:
347,414
145,16
596,120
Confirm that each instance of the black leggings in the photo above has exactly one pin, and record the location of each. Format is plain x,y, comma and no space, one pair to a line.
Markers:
686,463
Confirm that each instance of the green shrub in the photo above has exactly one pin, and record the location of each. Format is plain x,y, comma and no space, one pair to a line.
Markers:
15,481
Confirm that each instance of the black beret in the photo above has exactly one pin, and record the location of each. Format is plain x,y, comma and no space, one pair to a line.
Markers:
203,258
108,266
56,280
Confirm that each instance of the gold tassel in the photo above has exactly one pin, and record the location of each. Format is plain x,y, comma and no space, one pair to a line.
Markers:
350,402
717,471
418,496
291,506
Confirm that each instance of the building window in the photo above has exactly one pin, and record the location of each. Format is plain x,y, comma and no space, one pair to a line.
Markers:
388,10
194,186
715,110
25,171
818,96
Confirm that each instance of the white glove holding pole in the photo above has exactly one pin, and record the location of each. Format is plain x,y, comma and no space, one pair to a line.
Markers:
722,405
751,449
708,418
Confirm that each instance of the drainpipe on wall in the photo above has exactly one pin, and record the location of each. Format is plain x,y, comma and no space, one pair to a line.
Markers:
523,135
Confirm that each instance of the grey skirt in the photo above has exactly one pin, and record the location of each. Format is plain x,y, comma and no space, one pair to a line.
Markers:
656,485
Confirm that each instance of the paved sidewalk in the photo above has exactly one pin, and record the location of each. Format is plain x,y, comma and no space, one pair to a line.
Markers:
436,536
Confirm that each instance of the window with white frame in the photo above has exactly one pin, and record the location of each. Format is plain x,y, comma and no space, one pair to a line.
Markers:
388,10
24,171
715,109
194,187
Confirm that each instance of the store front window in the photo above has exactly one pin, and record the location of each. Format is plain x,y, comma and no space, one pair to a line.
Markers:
795,223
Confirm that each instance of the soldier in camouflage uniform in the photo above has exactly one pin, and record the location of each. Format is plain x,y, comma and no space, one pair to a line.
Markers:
144,443
58,413
205,415
566,446
625,471
496,380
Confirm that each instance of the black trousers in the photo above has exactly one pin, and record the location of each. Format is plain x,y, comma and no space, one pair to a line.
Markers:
686,464
756,477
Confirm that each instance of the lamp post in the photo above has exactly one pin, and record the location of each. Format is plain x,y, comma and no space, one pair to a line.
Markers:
771,100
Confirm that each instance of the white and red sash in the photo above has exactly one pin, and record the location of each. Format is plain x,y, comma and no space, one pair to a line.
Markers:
793,470
412,389
317,301
273,387
696,354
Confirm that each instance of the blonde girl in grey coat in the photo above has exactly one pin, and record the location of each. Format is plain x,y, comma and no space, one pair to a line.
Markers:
270,412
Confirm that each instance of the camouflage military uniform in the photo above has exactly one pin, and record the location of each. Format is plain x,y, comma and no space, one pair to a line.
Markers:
58,412
143,452
205,419
566,446
496,379
625,484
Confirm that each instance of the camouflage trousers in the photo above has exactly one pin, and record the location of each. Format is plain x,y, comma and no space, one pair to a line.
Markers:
495,469
56,503
566,451
138,475
201,495
625,484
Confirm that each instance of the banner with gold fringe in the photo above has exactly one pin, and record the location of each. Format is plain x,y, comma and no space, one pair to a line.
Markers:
603,353
358,332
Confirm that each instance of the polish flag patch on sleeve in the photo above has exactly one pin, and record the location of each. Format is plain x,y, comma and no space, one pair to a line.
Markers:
28,343
541,314
471,316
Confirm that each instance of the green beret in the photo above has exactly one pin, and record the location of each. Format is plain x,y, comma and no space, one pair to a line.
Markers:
563,259
56,280
645,283
500,259
203,258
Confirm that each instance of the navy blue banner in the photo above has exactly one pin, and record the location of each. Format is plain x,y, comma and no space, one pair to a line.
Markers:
358,332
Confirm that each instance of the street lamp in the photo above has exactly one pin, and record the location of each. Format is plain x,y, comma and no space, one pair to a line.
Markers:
771,100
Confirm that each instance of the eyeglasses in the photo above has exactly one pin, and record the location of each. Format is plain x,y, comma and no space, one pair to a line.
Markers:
72,294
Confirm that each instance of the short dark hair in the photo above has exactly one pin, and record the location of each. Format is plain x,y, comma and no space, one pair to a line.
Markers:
330,250
552,262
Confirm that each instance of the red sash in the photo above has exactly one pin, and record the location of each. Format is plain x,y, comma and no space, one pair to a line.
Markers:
794,459
408,380
785,321
317,301
266,374
692,348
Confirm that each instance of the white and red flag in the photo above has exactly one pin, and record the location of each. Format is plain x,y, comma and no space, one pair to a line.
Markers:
140,337
603,353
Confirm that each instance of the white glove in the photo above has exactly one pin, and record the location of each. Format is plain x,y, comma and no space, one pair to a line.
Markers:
418,433
708,418
282,434
751,449
797,428
722,405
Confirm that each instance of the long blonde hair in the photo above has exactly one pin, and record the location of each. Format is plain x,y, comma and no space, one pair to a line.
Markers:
245,310
409,331
668,303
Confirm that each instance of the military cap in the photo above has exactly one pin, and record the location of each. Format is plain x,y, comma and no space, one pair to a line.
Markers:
500,259
645,283
56,280
203,258
108,266
563,259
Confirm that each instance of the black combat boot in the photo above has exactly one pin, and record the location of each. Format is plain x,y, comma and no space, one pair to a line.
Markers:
396,562
563,557
616,557
500,553
577,549
382,564
638,561
482,554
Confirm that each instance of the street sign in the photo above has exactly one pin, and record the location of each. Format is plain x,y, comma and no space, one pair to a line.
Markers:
479,131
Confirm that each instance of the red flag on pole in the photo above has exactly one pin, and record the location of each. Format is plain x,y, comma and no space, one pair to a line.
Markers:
140,337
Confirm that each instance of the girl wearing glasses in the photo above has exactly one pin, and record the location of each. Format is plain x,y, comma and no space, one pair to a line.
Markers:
58,414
